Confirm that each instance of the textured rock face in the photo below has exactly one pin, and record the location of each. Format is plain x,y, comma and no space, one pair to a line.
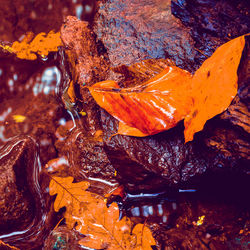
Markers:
132,31
212,23
16,203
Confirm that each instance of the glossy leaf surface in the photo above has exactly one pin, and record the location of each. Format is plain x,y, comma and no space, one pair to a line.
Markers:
214,85
149,108
173,95
99,223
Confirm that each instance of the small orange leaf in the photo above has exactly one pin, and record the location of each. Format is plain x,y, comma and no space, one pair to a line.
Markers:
70,195
71,92
214,85
144,237
19,118
152,107
42,44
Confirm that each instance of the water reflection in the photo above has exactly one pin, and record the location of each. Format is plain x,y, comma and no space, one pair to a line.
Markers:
50,78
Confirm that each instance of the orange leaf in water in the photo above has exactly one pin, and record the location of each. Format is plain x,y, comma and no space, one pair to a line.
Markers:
100,224
149,108
42,44
70,195
214,85
71,92
144,237
104,230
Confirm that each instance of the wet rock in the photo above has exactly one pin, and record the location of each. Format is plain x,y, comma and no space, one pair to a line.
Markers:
132,31
212,23
162,158
16,204
87,64
86,156
24,205
164,155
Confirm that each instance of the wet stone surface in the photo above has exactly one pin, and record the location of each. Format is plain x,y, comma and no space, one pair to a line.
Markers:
132,31
39,123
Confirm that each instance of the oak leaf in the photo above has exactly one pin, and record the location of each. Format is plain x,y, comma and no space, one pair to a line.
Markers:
147,109
214,85
73,196
42,44
100,224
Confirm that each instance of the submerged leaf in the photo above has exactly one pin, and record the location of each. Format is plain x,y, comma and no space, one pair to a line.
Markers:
69,195
100,224
144,237
42,44
149,108
214,85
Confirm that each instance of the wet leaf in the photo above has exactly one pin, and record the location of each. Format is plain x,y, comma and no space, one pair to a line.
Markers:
99,223
70,195
105,230
173,95
149,108
71,92
214,85
144,237
42,44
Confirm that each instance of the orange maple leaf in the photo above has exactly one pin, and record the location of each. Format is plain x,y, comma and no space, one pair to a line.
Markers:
173,95
149,108
42,44
100,224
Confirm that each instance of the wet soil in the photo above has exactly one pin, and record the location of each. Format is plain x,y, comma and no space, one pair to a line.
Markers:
168,184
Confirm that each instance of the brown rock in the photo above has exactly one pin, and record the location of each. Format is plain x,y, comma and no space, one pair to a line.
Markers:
132,31
16,201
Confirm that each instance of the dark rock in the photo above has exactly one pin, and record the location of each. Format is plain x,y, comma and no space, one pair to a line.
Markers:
24,209
132,31
16,204
87,63
212,23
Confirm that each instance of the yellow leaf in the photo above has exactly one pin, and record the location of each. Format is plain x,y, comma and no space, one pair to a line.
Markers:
19,118
42,44
214,85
